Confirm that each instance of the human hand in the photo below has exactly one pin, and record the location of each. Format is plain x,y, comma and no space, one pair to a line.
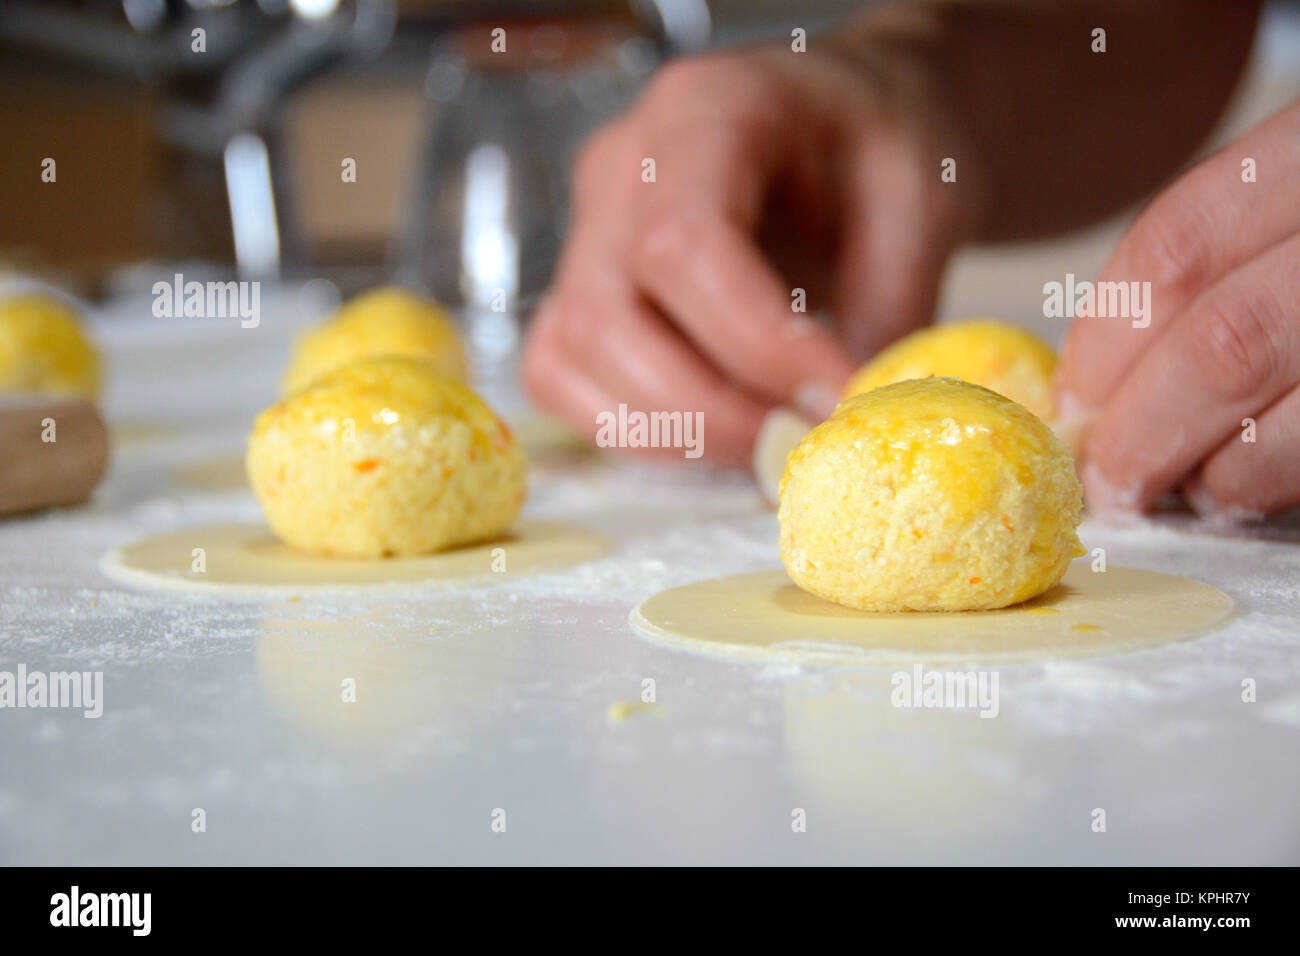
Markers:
1207,397
774,171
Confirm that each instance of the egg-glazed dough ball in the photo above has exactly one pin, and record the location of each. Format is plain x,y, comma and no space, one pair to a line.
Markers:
986,352
929,495
385,457
42,349
385,321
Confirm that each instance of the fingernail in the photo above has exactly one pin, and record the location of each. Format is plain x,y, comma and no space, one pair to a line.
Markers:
1068,405
816,400
799,327
1105,497
1199,498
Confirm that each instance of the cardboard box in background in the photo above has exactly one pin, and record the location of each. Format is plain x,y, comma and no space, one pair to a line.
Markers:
98,131
122,196
373,120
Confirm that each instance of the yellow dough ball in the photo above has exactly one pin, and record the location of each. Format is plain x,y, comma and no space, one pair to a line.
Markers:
385,457
986,352
386,321
929,495
42,349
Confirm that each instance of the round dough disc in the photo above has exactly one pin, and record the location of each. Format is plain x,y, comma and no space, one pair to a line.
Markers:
247,557
764,616
225,473
140,431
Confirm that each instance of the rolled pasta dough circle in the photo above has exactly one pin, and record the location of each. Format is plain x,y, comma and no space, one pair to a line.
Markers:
764,616
247,557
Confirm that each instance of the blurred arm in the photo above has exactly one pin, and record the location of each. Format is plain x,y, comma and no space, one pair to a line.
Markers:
1047,134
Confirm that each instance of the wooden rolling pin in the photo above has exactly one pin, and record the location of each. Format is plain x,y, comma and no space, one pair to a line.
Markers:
53,451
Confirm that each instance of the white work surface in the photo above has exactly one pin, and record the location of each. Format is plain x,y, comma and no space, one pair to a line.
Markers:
497,697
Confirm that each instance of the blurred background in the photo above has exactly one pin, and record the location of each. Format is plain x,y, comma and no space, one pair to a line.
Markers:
229,146
361,141
233,161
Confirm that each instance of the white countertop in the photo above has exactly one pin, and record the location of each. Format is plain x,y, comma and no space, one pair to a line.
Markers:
474,700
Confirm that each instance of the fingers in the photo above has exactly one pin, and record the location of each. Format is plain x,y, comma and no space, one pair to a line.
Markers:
1200,229
1235,351
581,365
1256,472
665,296
896,243
556,385
697,257
670,252
709,276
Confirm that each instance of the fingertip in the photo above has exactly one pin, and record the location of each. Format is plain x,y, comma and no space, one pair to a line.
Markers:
1199,497
1106,496
737,446
1075,377
1216,513
537,368
816,399
820,366
1072,420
